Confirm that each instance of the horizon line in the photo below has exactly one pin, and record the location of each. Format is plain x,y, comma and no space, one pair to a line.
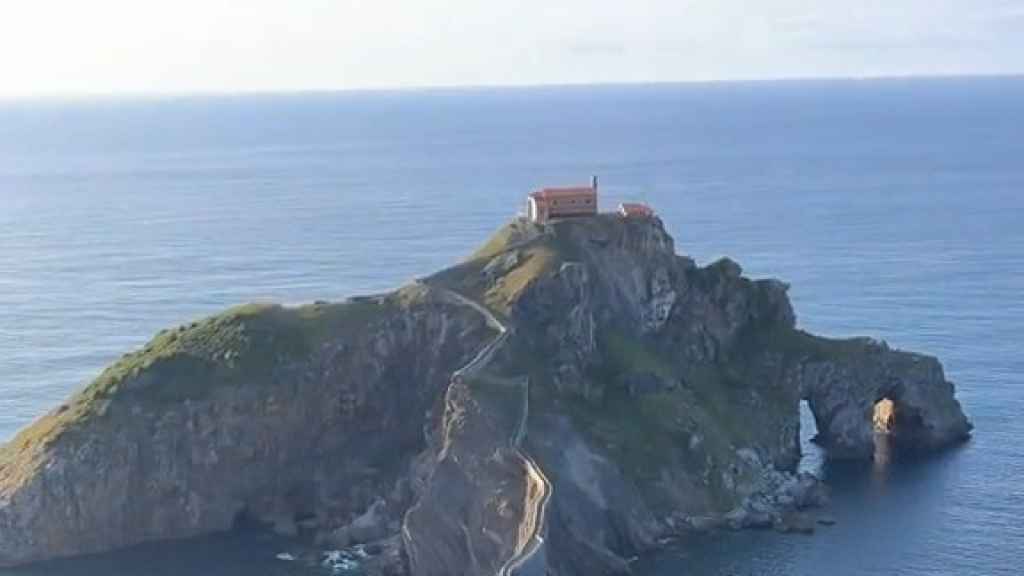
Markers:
217,93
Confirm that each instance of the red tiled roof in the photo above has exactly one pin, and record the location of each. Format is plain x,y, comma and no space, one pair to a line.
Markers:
549,193
636,208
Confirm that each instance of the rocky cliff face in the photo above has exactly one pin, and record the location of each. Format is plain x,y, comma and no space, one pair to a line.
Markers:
263,413
842,382
562,400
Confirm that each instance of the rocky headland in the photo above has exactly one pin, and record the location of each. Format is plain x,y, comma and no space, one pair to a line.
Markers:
569,396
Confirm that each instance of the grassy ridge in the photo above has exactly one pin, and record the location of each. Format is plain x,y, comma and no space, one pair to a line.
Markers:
239,347
532,255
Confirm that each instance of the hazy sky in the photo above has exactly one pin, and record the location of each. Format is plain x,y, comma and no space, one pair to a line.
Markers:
73,47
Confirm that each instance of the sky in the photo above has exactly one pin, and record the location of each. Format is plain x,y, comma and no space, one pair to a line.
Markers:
72,47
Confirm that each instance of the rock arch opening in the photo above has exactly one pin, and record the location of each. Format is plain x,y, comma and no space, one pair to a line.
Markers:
898,427
813,453
884,416
875,426
883,421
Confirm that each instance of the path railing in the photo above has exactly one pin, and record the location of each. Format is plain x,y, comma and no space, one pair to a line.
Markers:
519,563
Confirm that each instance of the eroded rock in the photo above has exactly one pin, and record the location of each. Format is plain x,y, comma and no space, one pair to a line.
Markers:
842,381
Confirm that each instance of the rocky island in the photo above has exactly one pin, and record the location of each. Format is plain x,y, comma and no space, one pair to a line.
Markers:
569,396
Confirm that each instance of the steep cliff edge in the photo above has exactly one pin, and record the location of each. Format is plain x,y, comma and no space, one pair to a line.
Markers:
560,401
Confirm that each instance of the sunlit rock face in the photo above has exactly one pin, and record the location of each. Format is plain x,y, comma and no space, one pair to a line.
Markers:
884,417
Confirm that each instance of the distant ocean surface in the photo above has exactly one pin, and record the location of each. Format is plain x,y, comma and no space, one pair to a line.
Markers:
894,208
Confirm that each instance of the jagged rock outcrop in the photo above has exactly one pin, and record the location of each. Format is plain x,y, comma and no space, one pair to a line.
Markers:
564,399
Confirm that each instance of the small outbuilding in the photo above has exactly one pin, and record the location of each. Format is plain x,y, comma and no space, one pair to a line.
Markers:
635,210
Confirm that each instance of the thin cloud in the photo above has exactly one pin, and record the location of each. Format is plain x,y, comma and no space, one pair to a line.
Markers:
596,48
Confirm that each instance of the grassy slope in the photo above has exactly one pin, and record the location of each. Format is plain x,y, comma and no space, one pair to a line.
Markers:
536,256
239,347
646,433
243,345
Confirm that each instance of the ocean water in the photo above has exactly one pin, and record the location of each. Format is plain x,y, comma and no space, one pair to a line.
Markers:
894,208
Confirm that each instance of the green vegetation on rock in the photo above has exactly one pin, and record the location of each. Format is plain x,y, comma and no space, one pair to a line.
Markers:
497,274
242,346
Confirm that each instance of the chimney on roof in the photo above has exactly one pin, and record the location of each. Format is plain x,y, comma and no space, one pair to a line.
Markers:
593,183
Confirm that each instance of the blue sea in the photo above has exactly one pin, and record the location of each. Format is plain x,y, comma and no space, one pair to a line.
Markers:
895,208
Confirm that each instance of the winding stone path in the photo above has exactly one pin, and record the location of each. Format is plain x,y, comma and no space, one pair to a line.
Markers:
531,560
